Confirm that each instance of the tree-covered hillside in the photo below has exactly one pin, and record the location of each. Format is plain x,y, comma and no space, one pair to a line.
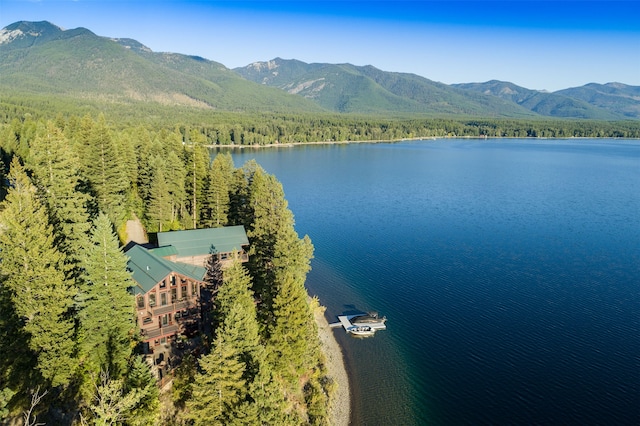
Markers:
543,103
368,90
69,342
41,59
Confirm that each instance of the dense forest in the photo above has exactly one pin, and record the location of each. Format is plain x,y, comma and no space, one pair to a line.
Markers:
259,128
69,345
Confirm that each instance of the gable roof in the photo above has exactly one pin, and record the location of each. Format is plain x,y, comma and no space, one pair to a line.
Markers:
196,242
148,269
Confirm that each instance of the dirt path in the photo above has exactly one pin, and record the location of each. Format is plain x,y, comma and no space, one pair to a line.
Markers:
135,232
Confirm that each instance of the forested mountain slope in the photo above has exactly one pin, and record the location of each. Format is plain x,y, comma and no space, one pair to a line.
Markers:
39,58
76,71
616,97
349,88
543,103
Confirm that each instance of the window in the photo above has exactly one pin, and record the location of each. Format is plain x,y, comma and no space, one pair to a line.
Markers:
140,300
194,291
165,319
183,292
173,280
152,299
163,284
174,295
163,299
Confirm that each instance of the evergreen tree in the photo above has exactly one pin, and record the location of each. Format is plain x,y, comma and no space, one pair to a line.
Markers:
219,387
216,203
140,379
293,342
270,218
159,204
40,295
237,310
176,176
197,166
280,261
56,170
269,400
106,172
240,209
106,308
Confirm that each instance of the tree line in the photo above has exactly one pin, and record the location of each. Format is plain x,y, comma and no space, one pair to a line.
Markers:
68,339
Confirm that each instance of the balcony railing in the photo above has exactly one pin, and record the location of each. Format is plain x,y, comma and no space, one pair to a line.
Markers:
154,333
172,307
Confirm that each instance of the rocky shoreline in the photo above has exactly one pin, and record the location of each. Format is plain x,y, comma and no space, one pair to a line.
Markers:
340,409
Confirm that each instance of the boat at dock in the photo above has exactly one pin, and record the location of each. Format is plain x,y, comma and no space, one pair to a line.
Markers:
361,324
361,330
371,319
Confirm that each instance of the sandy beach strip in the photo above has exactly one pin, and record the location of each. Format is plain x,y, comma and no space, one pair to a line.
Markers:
340,409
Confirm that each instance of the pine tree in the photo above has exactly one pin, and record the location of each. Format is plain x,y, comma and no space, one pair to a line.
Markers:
32,267
140,379
237,310
270,219
216,208
106,308
269,400
280,261
293,341
219,387
56,170
176,176
197,166
106,173
159,204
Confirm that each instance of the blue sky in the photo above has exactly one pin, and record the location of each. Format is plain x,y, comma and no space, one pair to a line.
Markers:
546,45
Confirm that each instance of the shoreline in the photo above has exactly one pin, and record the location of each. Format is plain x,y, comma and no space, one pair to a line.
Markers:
340,408
431,138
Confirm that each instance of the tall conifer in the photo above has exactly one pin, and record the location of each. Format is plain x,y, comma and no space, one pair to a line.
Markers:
216,204
56,170
32,268
159,204
219,387
106,308
107,174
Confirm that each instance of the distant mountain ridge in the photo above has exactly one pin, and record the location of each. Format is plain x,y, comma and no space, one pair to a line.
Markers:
350,88
77,65
39,57
341,87
608,101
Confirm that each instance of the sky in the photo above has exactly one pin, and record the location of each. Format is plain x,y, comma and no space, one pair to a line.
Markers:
543,45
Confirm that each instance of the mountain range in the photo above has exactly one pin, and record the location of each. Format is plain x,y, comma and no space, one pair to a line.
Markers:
40,59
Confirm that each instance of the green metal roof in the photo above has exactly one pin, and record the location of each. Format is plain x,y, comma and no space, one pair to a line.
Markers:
164,251
149,269
196,242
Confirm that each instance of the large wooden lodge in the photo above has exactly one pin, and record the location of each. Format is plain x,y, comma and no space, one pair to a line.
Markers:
169,279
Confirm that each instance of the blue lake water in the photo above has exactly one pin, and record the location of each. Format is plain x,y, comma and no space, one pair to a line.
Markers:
509,271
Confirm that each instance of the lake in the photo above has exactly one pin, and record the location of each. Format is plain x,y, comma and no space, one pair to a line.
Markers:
509,271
